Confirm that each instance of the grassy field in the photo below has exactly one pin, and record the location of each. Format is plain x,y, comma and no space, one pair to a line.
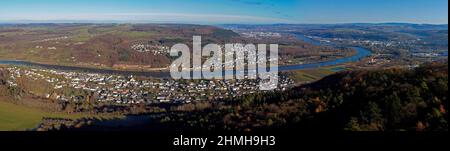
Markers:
14,117
311,75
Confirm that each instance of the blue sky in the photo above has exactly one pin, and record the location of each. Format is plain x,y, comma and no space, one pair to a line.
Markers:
229,11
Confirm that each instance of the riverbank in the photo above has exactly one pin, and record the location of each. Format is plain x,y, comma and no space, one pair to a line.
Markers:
165,73
155,74
360,54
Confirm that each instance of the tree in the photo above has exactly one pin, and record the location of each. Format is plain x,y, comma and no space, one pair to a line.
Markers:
393,106
353,125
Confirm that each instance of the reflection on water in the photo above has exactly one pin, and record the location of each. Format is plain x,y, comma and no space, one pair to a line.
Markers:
360,54
306,39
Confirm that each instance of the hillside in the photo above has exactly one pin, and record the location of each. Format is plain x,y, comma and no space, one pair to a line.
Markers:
378,100
132,46
100,45
392,99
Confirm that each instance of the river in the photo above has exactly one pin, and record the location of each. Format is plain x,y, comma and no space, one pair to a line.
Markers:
360,54
154,74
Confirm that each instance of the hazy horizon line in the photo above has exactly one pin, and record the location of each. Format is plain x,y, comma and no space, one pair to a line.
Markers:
69,21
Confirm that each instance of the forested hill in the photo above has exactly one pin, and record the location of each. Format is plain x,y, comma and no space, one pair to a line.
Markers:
366,100
377,100
392,99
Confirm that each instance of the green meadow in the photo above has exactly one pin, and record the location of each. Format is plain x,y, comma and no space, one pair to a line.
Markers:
18,118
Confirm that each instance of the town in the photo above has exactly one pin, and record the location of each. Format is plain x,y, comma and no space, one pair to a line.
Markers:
118,89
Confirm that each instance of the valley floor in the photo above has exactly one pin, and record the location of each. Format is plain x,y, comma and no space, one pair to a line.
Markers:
17,117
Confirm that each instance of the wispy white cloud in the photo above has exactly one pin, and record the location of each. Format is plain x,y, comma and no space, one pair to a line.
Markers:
149,17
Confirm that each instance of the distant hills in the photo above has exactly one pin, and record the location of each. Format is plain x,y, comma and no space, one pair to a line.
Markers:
101,45
123,46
